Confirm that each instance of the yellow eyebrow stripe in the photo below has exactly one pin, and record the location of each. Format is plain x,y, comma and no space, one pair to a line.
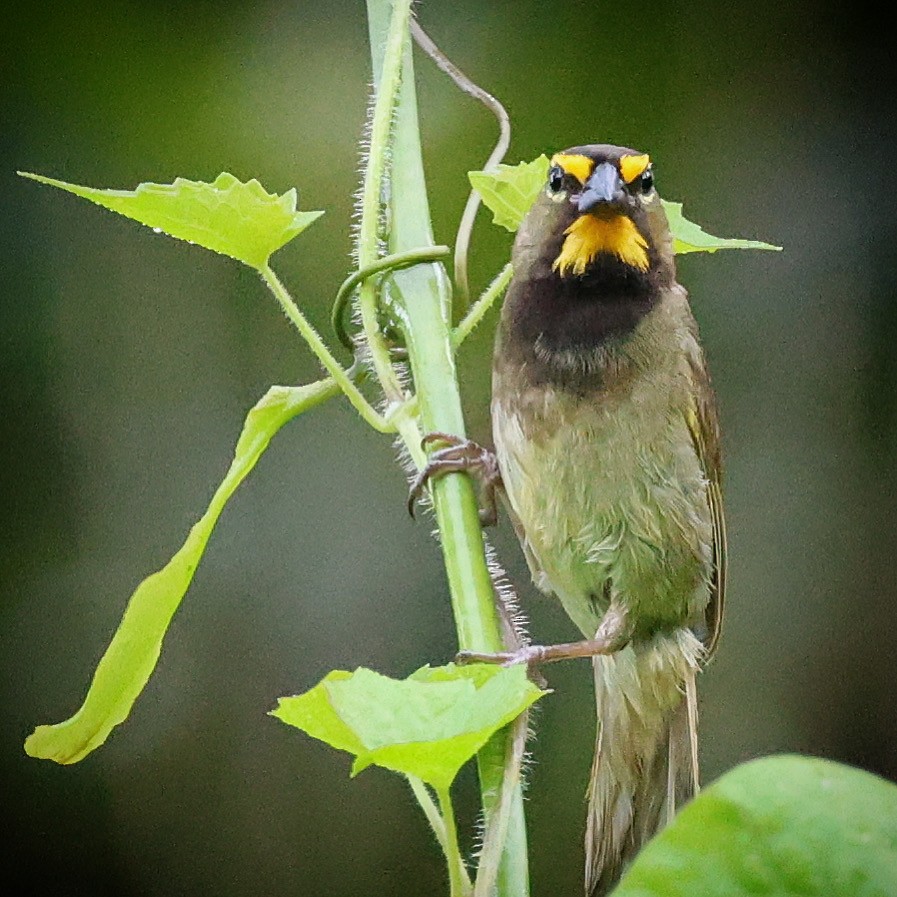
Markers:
632,166
573,163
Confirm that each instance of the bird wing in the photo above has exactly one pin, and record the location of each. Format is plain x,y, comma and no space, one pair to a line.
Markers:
702,418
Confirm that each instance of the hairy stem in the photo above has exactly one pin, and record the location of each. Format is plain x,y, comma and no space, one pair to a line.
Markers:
388,80
497,830
458,880
437,823
424,294
330,364
478,310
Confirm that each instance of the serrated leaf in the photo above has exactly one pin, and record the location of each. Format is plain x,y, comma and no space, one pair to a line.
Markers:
782,825
428,725
508,191
690,237
131,656
237,219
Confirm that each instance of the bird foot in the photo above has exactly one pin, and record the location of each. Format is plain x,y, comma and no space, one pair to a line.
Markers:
536,655
460,455
613,634
531,655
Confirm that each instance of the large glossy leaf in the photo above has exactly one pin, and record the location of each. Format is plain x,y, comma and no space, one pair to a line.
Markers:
238,219
131,656
428,725
782,826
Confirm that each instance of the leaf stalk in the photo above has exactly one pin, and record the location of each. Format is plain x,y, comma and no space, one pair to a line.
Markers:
381,423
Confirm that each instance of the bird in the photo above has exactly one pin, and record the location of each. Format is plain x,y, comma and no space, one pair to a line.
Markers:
607,456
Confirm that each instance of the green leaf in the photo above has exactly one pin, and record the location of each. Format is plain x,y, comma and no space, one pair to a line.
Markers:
131,656
428,725
510,190
776,827
240,220
690,237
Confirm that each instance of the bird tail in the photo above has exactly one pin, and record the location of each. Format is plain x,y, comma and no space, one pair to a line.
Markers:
646,751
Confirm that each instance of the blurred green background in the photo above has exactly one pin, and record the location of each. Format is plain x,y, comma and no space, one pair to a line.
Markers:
128,360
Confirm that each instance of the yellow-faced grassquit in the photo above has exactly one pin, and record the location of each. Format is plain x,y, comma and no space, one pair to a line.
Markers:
607,448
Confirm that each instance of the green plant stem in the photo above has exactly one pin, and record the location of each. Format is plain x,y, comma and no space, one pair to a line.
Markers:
458,880
426,315
381,423
425,298
437,823
497,831
478,310
385,93
431,811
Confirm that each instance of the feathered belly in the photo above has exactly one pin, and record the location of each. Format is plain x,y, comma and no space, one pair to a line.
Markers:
610,505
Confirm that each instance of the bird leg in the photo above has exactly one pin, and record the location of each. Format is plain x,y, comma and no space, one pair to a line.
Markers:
613,634
460,455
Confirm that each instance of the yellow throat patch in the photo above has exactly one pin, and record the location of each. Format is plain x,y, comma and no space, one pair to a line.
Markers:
589,235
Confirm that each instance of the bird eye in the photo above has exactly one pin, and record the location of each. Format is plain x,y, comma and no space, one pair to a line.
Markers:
555,178
647,181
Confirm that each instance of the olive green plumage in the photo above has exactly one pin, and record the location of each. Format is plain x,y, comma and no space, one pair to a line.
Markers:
606,435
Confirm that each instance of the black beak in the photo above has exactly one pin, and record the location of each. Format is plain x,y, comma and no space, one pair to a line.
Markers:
603,186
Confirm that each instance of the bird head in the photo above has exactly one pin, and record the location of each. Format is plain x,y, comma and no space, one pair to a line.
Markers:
599,211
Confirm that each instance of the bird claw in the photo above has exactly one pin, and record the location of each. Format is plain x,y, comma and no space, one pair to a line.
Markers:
531,655
460,455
